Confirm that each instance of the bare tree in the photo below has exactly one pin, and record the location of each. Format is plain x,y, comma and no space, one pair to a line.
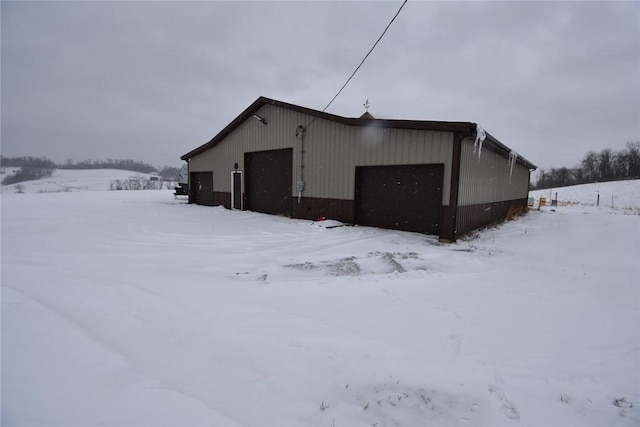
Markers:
590,166
632,151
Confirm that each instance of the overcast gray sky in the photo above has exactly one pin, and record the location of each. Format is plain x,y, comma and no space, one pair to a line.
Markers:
152,80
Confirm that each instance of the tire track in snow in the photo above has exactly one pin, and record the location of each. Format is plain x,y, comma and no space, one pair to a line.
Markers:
110,347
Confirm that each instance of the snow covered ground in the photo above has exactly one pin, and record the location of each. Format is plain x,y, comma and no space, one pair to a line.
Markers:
622,195
67,180
134,309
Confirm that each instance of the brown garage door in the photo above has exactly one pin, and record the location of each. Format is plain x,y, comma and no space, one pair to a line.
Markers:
201,188
268,177
406,197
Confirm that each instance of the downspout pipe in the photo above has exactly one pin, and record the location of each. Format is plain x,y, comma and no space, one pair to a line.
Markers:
300,134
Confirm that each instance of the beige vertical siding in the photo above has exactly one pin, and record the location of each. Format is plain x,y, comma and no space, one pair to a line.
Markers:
332,151
252,135
488,179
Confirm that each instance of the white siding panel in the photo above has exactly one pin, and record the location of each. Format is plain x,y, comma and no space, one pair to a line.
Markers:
251,135
488,178
332,151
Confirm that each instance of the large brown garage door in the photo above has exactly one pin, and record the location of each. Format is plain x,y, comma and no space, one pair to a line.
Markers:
406,197
268,181
201,188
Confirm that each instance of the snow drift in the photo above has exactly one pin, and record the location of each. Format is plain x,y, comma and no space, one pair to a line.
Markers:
133,309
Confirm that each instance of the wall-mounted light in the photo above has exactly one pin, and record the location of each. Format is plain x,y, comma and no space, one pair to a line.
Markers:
260,119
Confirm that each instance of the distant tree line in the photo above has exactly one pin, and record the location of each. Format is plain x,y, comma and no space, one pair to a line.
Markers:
40,167
607,165
37,162
128,165
169,173
30,168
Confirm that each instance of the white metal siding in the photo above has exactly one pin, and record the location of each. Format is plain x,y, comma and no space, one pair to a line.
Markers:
488,178
331,151
250,136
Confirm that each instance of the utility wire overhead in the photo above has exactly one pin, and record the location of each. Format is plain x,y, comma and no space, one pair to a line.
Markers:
363,59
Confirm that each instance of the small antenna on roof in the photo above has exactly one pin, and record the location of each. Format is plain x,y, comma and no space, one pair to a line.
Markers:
366,105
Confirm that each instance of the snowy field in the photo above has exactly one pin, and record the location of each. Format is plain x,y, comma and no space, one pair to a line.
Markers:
621,195
135,309
68,180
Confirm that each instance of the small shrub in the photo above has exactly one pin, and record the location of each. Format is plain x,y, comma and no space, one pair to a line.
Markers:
135,183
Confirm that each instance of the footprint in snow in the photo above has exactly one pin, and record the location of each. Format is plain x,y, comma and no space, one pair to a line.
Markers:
507,408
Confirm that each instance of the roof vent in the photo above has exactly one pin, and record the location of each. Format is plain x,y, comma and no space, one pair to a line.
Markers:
366,115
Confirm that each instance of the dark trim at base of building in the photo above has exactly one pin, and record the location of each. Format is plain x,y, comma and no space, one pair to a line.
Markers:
447,221
221,198
312,208
473,217
467,218
317,207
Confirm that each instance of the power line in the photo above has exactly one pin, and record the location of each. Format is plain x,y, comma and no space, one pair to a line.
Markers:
366,56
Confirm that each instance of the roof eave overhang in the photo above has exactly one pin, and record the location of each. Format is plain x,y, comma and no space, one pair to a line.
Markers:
439,126
250,110
362,122
502,149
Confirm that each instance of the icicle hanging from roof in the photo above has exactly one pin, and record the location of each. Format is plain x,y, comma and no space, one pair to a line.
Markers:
480,137
513,158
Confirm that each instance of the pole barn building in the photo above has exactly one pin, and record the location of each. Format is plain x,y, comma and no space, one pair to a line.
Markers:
441,178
